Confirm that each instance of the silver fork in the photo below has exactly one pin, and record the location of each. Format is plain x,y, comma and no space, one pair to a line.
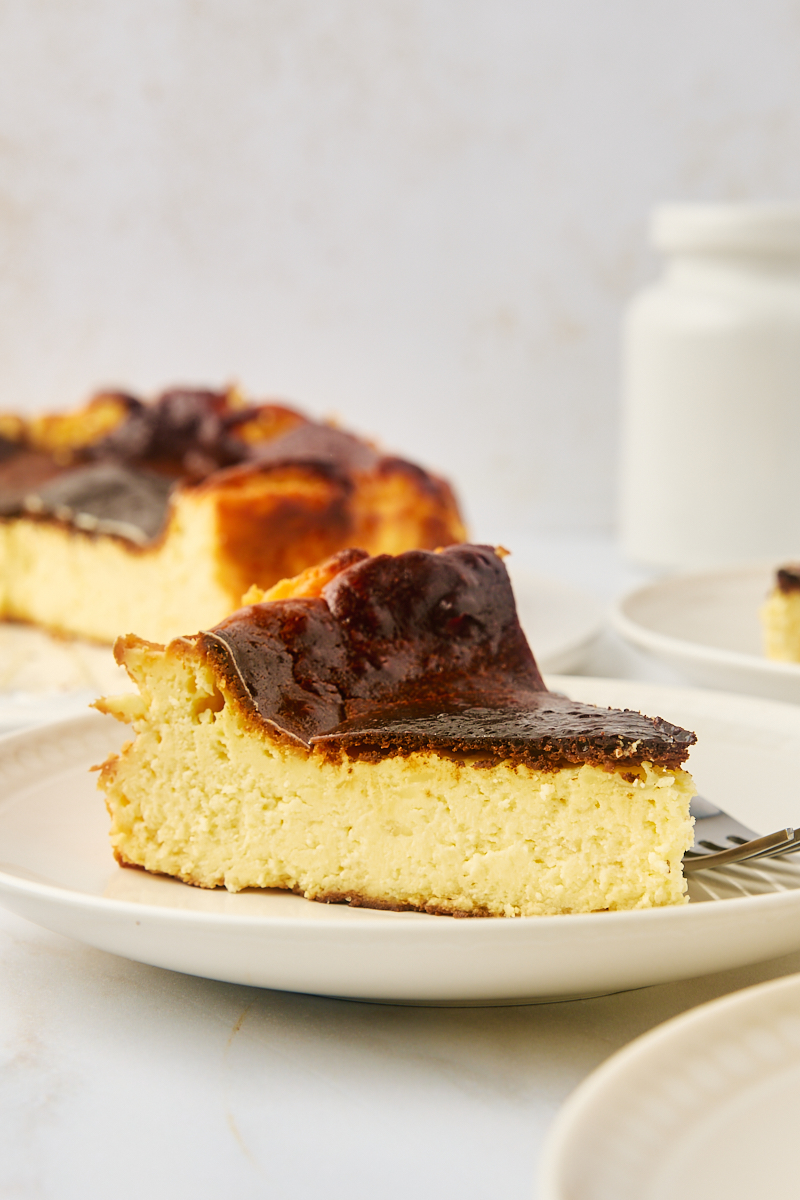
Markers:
720,839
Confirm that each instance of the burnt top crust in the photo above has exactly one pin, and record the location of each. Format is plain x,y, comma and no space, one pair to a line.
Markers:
102,498
318,446
548,733
122,482
419,651
788,578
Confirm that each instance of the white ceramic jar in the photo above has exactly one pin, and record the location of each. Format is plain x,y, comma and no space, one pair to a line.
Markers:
711,379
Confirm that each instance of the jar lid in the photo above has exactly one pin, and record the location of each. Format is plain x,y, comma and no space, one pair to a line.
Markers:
759,228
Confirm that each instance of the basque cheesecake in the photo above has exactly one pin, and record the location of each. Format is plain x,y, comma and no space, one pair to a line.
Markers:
780,616
157,517
376,732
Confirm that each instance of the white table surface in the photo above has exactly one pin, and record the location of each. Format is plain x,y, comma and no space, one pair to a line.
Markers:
124,1080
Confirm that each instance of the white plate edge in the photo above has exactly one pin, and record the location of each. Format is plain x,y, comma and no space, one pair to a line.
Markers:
590,1090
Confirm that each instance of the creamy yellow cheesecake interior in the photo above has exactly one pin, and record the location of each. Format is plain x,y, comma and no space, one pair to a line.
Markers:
378,734
157,517
780,616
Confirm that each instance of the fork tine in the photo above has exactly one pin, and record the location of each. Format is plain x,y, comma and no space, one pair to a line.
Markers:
772,844
792,848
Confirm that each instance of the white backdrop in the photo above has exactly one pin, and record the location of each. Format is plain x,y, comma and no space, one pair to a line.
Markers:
422,215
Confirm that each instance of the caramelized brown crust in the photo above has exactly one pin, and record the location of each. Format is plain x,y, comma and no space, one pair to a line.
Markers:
417,652
272,523
357,900
548,733
22,472
288,491
104,498
787,578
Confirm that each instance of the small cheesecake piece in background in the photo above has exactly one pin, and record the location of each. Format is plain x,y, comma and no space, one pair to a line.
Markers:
780,616
376,732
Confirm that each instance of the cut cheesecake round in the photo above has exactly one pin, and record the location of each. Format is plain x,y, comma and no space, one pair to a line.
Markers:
376,732
157,517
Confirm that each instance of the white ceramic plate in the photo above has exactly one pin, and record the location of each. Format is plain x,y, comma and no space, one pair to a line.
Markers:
706,626
705,1107
56,869
560,621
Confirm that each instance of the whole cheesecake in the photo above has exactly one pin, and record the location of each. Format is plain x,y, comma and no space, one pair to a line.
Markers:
158,516
376,732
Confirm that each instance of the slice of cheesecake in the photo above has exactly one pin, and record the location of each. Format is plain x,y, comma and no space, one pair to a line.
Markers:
157,517
376,732
780,616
